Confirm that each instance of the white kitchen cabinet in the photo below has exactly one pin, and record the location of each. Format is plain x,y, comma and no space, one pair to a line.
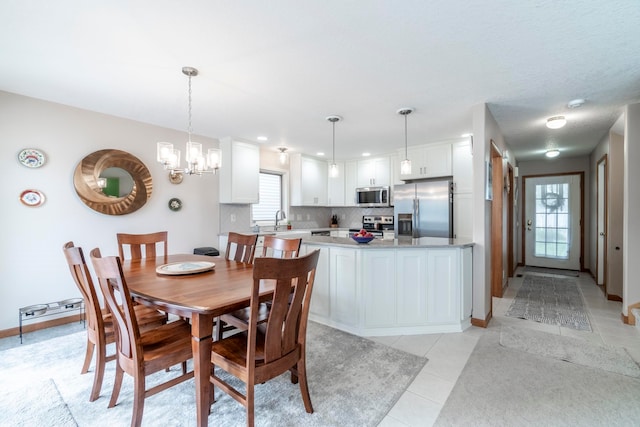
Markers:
308,180
428,161
444,296
320,300
463,216
462,167
240,172
374,172
411,277
350,182
343,284
336,187
379,290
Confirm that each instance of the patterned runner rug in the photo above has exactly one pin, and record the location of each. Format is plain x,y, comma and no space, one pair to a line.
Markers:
551,300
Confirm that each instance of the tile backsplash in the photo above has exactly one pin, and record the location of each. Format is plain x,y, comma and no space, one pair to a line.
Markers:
238,217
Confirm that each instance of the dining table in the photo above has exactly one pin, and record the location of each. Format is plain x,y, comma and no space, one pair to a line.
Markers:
200,296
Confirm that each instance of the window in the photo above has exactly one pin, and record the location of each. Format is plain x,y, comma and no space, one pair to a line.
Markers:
270,190
552,221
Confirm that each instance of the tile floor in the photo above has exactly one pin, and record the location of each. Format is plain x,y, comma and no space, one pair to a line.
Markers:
448,353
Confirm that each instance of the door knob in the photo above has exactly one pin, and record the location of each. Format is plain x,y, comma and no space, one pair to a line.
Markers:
602,233
529,222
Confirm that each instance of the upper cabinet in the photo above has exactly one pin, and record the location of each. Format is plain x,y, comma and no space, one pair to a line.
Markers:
308,180
374,172
336,187
429,161
462,167
240,172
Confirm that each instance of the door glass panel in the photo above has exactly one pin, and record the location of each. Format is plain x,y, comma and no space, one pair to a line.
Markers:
552,221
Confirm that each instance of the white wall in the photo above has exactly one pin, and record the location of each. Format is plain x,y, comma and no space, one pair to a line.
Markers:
33,267
631,225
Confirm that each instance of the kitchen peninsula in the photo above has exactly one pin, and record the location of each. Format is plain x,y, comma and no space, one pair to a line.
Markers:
392,286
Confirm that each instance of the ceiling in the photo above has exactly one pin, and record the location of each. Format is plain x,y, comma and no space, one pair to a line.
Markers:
279,68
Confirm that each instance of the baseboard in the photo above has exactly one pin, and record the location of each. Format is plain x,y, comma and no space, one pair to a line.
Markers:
482,323
40,325
612,297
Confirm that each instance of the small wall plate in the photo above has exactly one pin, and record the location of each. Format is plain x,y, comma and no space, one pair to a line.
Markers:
175,178
175,204
31,158
32,198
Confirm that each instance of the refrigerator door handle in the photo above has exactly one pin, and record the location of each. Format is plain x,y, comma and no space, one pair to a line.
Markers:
416,215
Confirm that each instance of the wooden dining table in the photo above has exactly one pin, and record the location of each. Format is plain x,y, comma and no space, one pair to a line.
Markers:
199,297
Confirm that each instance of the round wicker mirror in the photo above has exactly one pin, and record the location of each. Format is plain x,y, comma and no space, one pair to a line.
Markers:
85,181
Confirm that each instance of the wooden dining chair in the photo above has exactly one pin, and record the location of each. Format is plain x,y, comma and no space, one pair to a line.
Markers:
137,242
241,247
100,330
274,247
139,353
277,346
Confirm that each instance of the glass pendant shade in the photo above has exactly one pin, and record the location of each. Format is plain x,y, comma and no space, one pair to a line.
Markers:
333,170
405,167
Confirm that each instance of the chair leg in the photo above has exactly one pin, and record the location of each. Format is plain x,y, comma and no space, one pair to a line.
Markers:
101,360
117,384
304,387
87,357
250,402
218,329
138,400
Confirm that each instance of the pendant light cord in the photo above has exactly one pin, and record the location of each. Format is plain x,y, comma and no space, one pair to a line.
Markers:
189,125
333,156
406,156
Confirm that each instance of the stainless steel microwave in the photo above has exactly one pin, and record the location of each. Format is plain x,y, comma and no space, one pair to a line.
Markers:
373,197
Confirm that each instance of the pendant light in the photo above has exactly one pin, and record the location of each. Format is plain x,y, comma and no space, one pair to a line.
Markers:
283,155
196,163
333,168
405,165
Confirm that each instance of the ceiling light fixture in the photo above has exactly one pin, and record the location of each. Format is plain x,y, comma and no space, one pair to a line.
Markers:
333,168
283,155
552,153
556,122
196,163
405,165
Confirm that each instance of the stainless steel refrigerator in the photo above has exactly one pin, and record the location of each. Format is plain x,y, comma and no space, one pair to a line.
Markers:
423,209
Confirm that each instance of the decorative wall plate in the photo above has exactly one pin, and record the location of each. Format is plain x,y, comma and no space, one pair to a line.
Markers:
181,268
32,198
175,178
175,204
32,158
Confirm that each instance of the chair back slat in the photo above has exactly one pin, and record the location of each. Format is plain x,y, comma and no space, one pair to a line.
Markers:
241,247
142,245
118,299
287,322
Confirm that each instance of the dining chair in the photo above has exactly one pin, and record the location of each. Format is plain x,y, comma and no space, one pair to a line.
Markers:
139,353
100,330
278,345
136,243
274,247
241,247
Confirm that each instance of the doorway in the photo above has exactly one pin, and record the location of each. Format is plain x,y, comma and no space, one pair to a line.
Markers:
553,226
601,263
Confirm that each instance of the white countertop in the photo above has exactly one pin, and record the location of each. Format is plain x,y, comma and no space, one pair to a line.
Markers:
377,243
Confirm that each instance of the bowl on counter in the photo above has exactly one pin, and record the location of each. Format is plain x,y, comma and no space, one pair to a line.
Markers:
362,239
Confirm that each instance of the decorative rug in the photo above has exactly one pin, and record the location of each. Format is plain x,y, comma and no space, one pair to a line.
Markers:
557,271
570,349
501,386
551,300
353,381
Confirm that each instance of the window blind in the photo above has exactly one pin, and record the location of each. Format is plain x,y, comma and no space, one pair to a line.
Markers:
270,189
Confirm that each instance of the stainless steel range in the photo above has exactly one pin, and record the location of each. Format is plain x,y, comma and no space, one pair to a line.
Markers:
375,224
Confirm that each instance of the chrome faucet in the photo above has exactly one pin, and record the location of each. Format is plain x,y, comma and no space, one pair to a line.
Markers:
279,217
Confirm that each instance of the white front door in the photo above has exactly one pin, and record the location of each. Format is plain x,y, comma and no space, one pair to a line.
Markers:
552,222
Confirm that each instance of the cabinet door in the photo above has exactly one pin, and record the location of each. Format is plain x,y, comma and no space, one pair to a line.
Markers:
416,155
336,187
374,172
463,216
350,182
379,288
443,292
343,283
411,287
240,172
437,160
314,182
320,303
462,164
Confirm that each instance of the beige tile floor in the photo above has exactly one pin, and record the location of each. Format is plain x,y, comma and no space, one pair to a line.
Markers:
420,405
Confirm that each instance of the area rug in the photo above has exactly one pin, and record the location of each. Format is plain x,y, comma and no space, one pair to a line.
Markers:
557,271
353,382
501,386
551,300
35,402
570,349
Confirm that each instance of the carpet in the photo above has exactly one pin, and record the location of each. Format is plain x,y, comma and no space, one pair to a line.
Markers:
501,386
353,382
557,271
551,300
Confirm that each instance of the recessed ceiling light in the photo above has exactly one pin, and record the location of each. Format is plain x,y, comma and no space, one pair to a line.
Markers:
466,135
552,153
556,122
319,153
576,103
366,154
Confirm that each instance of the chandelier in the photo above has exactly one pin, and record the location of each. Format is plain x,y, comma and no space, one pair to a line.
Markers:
197,163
